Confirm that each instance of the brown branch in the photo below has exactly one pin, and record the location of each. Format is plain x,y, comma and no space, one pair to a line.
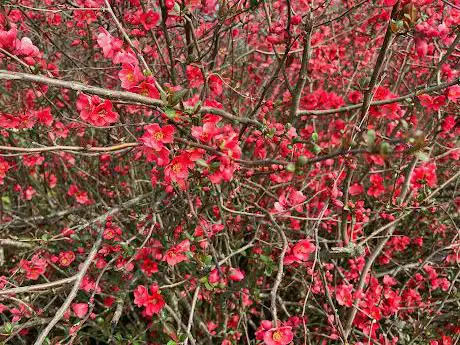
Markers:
38,287
382,102
13,243
117,95
68,148
306,55
84,268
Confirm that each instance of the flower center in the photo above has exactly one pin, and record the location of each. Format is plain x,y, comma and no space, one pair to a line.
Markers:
158,135
176,167
130,76
277,336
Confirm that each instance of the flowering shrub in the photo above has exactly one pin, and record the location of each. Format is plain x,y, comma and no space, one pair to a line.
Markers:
229,172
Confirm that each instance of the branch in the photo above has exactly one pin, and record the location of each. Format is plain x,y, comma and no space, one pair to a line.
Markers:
38,287
382,102
306,55
13,243
68,148
117,95
84,268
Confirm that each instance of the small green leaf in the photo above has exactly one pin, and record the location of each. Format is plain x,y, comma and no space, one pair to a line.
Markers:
178,95
8,328
316,149
290,167
314,137
202,163
422,156
170,113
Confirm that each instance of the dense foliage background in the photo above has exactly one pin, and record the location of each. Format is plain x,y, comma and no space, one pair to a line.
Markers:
229,172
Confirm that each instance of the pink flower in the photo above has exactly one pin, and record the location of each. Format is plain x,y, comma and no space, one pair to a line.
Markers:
453,93
44,116
152,302
95,110
215,84
178,170
155,136
4,167
125,57
130,75
66,258
421,47
80,309
176,254
109,44
147,88
194,76
303,249
278,336
8,38
291,199
34,268
80,196
343,295
26,47
235,274
149,19
434,103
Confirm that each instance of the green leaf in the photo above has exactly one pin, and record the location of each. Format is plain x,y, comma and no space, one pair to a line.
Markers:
290,167
314,137
170,113
316,149
178,95
6,201
8,328
422,156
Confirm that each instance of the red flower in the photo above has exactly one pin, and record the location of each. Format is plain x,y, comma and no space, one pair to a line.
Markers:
453,93
343,295
177,170
194,76
80,196
147,88
80,309
149,267
66,258
4,167
152,302
96,111
155,136
176,254
278,336
130,75
33,268
377,188
434,103
209,129
303,249
425,173
109,44
149,19
44,116
235,274
215,84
